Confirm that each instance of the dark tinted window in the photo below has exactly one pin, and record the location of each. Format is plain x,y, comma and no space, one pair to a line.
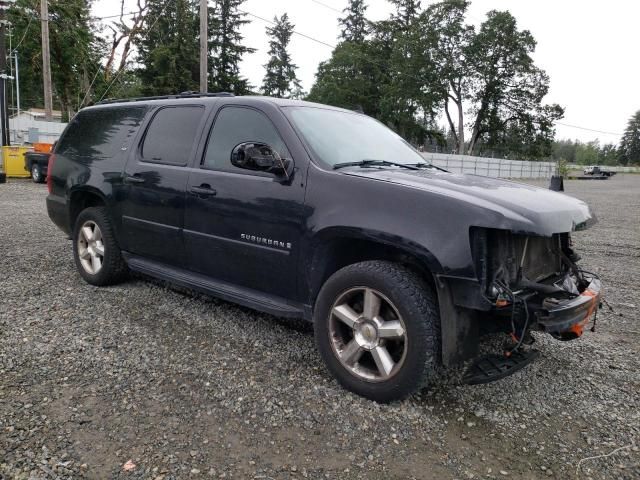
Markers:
170,136
100,132
236,125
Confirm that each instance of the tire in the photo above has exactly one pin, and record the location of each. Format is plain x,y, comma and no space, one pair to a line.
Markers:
89,243
408,319
36,173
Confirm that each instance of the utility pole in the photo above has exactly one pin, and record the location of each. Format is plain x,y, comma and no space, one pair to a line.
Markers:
4,111
46,61
204,38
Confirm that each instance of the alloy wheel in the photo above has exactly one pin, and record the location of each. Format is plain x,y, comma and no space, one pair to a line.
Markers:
90,247
367,334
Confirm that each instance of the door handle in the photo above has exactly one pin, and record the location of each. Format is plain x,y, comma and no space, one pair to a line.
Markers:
204,190
133,179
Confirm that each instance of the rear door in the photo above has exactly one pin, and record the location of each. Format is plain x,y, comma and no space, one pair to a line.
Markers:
156,176
241,226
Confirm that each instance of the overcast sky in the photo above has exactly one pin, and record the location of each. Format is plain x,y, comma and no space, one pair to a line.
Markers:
589,48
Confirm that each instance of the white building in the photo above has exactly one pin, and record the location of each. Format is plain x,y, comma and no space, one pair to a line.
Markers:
30,127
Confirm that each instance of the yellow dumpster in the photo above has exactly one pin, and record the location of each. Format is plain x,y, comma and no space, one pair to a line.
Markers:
13,161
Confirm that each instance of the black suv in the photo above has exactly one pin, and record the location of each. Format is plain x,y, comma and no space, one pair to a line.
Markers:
314,212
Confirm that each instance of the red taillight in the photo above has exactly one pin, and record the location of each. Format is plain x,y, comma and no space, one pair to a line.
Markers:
52,159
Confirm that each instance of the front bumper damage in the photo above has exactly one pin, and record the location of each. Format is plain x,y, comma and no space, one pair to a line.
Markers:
563,314
565,319
528,284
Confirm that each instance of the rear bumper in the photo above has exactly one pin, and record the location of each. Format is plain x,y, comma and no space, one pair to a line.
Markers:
58,212
568,317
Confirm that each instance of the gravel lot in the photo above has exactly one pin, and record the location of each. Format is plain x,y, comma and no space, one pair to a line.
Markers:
143,381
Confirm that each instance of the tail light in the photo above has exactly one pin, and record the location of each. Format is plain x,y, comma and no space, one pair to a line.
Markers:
52,159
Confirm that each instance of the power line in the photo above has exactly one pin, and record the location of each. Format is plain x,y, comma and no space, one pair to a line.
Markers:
148,30
296,32
24,35
90,85
128,14
326,44
588,129
328,6
416,77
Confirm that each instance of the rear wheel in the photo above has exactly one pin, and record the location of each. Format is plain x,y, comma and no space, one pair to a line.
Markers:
95,250
36,173
378,329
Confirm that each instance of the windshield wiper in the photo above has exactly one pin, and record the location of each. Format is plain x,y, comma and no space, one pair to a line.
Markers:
426,165
366,163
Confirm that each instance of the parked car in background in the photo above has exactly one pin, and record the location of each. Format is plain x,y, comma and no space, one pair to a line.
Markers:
310,211
599,171
37,163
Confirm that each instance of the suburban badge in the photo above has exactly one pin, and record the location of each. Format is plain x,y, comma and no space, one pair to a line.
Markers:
269,242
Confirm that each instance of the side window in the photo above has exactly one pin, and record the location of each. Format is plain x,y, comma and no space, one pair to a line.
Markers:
99,133
170,136
236,125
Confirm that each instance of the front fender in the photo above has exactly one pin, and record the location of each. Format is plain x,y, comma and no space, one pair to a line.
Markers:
333,247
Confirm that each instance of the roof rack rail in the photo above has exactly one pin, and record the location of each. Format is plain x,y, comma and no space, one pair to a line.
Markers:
167,97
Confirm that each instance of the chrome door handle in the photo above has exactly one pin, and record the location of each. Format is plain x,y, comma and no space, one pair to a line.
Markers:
133,179
204,190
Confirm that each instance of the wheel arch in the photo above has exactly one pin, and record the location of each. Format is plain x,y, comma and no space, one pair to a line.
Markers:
337,247
81,199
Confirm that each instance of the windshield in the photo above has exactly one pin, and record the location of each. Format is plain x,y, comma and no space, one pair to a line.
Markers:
337,137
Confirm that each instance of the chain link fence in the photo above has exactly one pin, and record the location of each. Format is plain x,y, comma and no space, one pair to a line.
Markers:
492,167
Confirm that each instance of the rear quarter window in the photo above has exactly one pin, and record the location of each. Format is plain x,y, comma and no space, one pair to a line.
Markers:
100,133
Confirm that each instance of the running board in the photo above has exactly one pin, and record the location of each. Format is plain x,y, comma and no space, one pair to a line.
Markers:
492,367
225,291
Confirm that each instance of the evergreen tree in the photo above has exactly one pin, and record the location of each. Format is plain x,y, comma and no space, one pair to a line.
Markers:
406,11
75,48
225,43
351,78
168,48
280,79
630,144
354,24
413,90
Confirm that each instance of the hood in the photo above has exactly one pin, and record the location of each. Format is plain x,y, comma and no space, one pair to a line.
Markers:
524,208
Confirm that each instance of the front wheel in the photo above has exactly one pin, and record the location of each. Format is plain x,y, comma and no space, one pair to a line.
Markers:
95,250
377,327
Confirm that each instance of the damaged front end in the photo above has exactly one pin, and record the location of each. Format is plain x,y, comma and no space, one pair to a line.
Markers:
533,283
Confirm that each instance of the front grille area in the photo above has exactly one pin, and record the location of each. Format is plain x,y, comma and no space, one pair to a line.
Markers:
501,254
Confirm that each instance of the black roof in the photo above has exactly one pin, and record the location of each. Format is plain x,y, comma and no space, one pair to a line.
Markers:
190,95
166,97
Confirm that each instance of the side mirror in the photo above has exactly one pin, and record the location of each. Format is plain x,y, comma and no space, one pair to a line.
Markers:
260,157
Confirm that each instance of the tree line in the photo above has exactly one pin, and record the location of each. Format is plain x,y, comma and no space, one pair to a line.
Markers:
593,153
439,82
423,63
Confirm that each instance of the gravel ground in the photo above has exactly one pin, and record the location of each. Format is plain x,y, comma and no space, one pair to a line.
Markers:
143,381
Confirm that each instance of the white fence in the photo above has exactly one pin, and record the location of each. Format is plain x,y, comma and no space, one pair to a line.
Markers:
48,132
492,167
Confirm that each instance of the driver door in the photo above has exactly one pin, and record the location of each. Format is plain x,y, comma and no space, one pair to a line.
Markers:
243,226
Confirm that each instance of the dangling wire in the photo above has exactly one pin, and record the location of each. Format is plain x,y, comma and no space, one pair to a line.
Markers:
514,303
